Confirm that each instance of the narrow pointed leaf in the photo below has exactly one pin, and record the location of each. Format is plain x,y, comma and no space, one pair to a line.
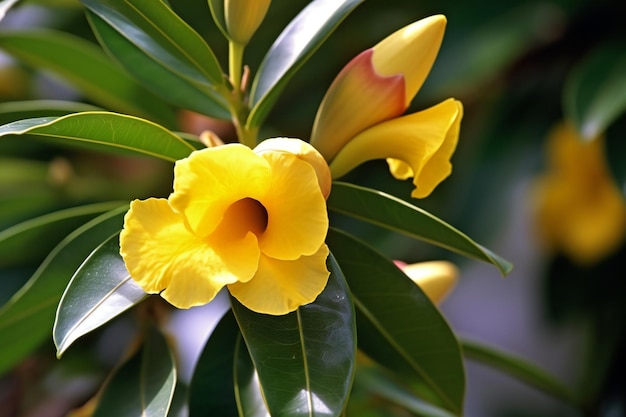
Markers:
295,45
304,359
85,66
387,211
217,12
27,318
35,238
111,130
143,386
29,109
154,28
595,94
100,290
398,326
211,392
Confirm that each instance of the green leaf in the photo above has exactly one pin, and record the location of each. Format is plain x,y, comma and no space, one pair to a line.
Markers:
100,290
217,12
519,369
143,386
248,392
27,318
595,92
29,109
387,211
88,69
160,74
295,45
114,131
397,325
304,359
35,238
211,390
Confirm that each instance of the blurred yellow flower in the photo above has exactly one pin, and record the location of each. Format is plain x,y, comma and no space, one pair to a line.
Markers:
243,18
435,278
360,116
580,210
254,222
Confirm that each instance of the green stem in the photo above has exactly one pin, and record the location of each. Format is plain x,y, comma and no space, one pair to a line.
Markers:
520,369
235,65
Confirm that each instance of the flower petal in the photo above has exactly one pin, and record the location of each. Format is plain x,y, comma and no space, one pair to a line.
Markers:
435,278
410,51
297,216
280,287
424,141
357,99
211,180
164,257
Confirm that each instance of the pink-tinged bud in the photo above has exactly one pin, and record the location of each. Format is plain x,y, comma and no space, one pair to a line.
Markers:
305,152
243,18
377,85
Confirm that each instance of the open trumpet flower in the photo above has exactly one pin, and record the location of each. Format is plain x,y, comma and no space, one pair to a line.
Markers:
360,118
254,222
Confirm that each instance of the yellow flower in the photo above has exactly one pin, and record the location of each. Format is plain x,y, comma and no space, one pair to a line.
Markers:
580,210
243,18
254,222
435,278
359,118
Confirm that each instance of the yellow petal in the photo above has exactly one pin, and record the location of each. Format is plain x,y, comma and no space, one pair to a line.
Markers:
243,18
305,152
424,141
410,51
435,278
357,99
297,215
211,180
164,257
580,210
280,287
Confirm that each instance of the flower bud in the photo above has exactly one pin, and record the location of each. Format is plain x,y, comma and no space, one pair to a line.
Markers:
243,17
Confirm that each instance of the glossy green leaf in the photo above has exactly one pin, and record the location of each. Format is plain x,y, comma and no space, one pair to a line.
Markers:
111,130
29,109
26,319
86,68
595,93
143,386
217,13
211,389
248,394
304,359
162,64
397,325
100,290
387,211
35,238
519,369
379,385
295,45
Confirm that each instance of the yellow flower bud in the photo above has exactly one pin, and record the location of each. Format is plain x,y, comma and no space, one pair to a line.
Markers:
243,18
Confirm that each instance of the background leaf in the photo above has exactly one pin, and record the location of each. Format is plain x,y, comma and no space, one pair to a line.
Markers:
384,210
100,290
29,109
26,319
211,390
34,238
595,93
111,130
143,386
300,39
248,394
304,359
91,71
421,344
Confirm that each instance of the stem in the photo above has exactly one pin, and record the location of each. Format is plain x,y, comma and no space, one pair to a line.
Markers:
247,136
235,65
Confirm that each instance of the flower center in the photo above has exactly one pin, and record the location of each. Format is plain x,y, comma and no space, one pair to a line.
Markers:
243,216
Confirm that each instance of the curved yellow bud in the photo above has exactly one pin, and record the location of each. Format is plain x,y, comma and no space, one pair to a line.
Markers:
435,278
418,145
243,18
410,51
303,151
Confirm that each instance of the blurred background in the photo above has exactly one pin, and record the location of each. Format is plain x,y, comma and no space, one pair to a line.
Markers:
521,69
